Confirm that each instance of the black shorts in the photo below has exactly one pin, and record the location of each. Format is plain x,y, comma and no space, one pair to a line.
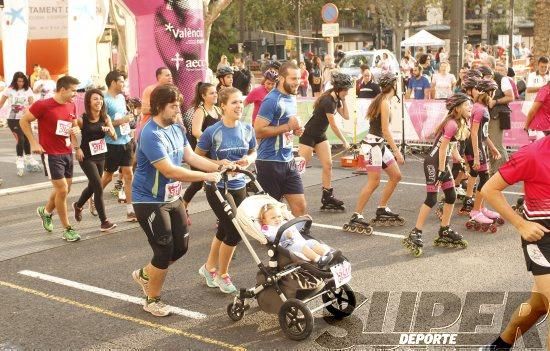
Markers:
118,156
279,178
311,140
431,171
537,257
58,166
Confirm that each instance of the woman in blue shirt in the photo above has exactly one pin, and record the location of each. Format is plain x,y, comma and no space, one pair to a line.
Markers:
156,191
229,140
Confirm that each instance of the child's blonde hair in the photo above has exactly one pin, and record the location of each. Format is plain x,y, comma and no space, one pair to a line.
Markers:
265,208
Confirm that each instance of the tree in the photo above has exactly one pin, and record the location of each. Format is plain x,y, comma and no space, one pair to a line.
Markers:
541,33
212,10
395,13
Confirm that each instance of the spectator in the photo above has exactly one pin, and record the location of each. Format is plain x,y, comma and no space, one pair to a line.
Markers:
458,85
425,63
365,88
419,53
264,62
241,76
384,64
532,63
316,76
45,86
223,62
537,79
418,84
443,82
525,49
35,74
327,72
304,80
258,94
469,55
503,71
477,51
407,64
517,52
339,53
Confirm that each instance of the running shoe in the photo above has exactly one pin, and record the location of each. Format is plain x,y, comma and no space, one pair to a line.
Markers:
77,212
131,217
93,210
142,282
105,226
47,222
225,284
156,307
70,234
210,277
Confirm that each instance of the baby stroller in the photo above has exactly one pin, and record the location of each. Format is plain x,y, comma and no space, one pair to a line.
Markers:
289,281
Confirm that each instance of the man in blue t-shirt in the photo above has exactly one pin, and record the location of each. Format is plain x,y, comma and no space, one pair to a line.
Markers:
120,151
276,125
418,84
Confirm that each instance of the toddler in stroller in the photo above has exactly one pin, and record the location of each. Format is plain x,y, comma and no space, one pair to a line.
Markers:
271,219
289,282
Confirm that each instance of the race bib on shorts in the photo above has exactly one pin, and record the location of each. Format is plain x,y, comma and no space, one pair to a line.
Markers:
98,147
63,128
172,191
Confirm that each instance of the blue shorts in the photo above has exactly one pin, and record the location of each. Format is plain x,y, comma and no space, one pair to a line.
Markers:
279,178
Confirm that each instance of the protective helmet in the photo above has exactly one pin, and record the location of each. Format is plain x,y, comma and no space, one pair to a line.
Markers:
474,72
275,64
136,102
271,75
486,85
386,79
469,82
224,71
455,100
341,81
485,71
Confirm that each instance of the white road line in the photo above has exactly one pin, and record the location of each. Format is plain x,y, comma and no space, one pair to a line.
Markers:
389,235
423,185
108,293
36,186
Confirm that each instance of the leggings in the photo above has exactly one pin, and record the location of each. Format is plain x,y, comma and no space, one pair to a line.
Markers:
166,229
226,233
22,143
93,169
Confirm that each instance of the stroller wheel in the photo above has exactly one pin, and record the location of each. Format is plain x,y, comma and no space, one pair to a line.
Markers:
343,301
295,319
235,311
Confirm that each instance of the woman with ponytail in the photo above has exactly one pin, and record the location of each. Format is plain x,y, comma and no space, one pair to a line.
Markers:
438,173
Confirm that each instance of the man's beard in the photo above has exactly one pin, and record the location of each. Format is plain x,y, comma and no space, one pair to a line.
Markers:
289,90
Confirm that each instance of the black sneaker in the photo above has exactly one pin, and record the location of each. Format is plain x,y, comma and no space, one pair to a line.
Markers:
105,226
77,212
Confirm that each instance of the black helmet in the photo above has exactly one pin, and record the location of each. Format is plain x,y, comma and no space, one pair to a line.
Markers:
486,85
386,79
469,82
224,71
473,73
485,71
341,81
274,64
455,100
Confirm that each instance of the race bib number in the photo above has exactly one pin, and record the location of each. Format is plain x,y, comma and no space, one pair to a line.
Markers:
125,129
300,165
63,128
98,147
172,191
341,273
288,140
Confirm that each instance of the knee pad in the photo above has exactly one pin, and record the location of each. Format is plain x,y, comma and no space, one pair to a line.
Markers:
450,196
431,199
483,178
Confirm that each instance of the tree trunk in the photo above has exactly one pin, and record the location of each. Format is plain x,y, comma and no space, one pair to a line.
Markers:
211,12
541,32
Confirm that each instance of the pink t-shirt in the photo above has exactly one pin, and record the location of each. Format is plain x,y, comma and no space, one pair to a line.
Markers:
449,131
531,164
256,96
541,120
480,114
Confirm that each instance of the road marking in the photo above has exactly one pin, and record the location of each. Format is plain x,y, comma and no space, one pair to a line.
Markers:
108,293
123,317
424,184
36,186
389,235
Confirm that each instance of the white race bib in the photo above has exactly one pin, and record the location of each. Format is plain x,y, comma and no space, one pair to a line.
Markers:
300,164
125,129
341,273
63,128
172,191
97,147
288,140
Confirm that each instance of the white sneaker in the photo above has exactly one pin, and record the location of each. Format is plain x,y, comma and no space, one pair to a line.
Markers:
20,165
156,307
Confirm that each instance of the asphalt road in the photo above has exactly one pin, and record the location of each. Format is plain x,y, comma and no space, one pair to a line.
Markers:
441,291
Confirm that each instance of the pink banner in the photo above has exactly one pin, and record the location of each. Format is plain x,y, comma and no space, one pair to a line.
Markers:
170,34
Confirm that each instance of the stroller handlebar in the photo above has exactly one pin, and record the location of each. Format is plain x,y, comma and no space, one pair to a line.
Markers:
238,169
289,224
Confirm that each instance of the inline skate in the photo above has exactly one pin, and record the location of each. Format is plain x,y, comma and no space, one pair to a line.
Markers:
414,242
467,206
480,223
385,217
330,203
358,224
460,192
492,215
31,165
518,207
450,239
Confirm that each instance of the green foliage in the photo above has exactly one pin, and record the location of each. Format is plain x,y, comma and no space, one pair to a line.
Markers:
224,32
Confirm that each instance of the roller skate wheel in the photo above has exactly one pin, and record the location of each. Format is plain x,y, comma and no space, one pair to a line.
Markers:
345,227
401,221
485,227
500,221
477,226
469,225
463,244
492,228
417,252
369,230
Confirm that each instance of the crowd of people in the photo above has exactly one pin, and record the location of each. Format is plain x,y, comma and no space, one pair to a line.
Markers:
147,141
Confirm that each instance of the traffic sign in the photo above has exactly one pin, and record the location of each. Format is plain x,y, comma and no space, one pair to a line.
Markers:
331,29
329,13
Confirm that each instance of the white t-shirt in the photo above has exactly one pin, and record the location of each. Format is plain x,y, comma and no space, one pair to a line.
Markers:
443,85
535,80
505,84
18,101
48,88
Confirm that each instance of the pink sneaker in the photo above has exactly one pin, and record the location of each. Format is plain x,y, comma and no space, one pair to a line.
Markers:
479,217
495,216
